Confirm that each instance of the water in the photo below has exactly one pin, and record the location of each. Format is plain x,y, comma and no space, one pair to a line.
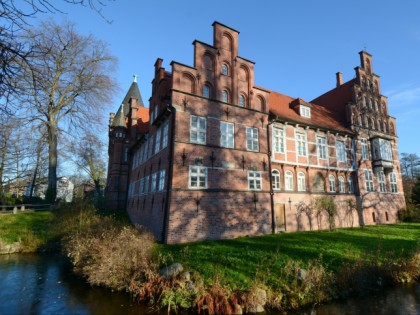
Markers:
44,284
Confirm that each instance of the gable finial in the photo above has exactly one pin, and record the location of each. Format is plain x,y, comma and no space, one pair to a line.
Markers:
135,78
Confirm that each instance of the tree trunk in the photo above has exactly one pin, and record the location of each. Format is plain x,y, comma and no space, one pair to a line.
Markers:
52,162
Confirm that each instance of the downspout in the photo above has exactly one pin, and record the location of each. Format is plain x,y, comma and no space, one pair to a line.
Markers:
170,175
273,223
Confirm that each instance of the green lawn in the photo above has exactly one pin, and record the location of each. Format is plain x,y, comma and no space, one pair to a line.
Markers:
241,261
31,228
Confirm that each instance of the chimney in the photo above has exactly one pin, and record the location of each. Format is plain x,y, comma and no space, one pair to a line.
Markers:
339,76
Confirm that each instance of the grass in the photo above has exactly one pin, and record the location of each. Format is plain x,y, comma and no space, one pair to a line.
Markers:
31,229
241,262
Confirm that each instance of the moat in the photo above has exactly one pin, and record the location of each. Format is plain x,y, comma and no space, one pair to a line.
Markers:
44,284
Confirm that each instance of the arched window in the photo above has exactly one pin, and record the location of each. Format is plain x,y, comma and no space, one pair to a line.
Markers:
289,180
206,90
341,187
275,179
331,180
241,100
318,184
301,181
370,104
225,96
225,69
393,182
208,62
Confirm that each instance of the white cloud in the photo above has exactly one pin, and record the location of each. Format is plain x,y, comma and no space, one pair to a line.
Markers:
404,96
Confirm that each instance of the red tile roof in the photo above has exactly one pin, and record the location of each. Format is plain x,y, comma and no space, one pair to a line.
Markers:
285,108
143,120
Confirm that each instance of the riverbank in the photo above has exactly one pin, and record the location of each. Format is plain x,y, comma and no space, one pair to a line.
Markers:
282,271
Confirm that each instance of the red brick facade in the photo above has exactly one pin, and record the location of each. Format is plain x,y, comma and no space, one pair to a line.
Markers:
223,158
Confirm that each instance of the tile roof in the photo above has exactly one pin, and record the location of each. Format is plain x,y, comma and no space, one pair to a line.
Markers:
143,120
284,107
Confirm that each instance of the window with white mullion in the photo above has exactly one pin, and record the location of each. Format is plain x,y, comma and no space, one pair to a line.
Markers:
321,143
301,144
275,179
252,139
369,180
381,181
301,181
278,140
254,180
198,177
226,134
288,178
162,180
393,182
157,144
365,149
198,130
165,135
341,151
331,180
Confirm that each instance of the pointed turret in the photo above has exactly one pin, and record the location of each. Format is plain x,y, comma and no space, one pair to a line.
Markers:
119,119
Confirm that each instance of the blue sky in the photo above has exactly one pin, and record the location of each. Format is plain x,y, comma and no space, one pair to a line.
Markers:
297,46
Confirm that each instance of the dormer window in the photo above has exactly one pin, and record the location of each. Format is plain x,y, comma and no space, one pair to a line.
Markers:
305,111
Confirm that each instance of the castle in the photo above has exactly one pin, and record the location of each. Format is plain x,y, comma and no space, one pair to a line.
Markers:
216,156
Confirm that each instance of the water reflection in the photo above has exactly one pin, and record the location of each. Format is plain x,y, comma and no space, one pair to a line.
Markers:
44,284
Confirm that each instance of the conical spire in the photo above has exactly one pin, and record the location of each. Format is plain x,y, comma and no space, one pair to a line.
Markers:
133,92
119,119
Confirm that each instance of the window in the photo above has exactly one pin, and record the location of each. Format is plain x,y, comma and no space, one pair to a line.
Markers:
321,144
301,181
225,96
146,184
198,130
206,91
252,139
150,153
275,179
198,177
381,181
155,112
305,111
278,140
225,69
385,148
141,186
289,180
157,144
301,144
341,151
365,149
350,183
165,135
369,180
154,182
161,180
226,134
393,182
254,180
331,180
242,101
125,155
341,186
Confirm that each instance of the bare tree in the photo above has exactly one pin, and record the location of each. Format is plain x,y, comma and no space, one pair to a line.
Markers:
90,158
70,80
326,204
15,19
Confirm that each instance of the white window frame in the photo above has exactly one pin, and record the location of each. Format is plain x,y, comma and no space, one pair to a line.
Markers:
341,185
278,140
227,134
301,143
254,180
301,181
340,147
198,132
385,148
275,180
225,69
381,181
225,96
288,181
197,177
305,111
365,149
369,181
252,143
393,182
331,182
241,101
321,146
